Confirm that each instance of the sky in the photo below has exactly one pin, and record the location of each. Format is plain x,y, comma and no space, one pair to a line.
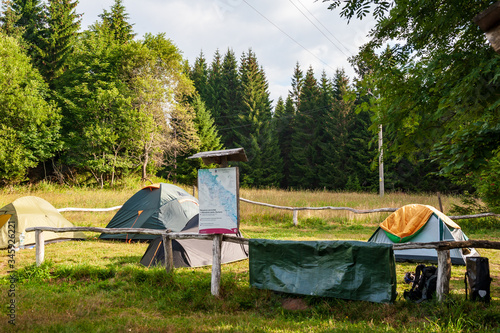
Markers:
281,33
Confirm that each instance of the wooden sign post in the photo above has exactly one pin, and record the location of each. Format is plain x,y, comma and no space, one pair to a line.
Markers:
218,194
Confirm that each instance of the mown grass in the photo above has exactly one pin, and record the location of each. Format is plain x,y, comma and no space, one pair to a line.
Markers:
99,286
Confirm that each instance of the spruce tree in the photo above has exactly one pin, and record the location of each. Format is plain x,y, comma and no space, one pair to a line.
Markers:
256,130
297,83
187,169
30,20
284,115
345,149
58,37
358,150
331,136
231,100
199,75
117,21
205,126
8,21
213,100
304,150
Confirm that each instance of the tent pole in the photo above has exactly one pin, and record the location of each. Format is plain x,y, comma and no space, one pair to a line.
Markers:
216,265
169,255
40,247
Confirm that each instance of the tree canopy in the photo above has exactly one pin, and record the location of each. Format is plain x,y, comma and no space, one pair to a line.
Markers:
103,104
436,82
30,125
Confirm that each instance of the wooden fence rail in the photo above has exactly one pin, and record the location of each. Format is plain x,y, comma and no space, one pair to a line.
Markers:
71,209
355,211
295,210
443,250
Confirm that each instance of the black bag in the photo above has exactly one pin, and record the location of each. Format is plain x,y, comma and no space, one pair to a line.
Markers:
424,284
477,276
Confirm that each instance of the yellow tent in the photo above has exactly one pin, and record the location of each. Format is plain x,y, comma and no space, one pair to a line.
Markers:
28,212
409,220
421,224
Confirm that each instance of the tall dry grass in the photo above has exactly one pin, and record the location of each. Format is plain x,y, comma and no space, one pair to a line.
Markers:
335,199
63,197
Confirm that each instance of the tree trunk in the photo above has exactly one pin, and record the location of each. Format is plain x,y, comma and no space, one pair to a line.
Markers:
145,164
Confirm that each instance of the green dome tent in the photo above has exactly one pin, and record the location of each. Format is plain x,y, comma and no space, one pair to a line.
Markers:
158,206
30,211
421,224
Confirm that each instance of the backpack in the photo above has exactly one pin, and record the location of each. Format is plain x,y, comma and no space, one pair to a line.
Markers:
424,284
477,279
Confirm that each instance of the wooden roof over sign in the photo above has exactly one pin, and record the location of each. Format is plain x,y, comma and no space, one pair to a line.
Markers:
222,156
489,22
489,18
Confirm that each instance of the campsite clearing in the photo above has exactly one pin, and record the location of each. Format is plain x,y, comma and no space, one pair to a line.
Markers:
98,285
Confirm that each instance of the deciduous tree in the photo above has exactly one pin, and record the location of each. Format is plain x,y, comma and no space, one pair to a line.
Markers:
437,78
30,127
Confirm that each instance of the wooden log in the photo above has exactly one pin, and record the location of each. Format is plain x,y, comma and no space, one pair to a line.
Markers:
216,265
71,209
447,245
235,239
295,218
40,247
409,246
443,274
190,236
227,238
474,216
101,230
169,253
357,211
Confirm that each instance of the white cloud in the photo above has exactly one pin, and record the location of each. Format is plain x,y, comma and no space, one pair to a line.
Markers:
281,38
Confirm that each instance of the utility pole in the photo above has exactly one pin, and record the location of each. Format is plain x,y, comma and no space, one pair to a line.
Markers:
380,161
380,156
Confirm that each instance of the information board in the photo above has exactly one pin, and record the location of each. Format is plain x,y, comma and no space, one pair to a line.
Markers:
218,196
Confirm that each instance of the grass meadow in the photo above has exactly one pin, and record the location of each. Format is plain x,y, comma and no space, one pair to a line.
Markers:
99,286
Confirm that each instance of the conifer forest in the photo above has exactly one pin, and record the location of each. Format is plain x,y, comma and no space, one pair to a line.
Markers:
92,107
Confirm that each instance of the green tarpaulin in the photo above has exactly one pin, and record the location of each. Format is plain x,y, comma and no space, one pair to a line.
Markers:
341,269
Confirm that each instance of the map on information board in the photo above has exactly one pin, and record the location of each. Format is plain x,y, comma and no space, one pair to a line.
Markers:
218,195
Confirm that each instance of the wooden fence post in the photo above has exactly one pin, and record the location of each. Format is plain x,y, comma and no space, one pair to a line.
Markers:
169,254
295,219
444,274
440,203
216,264
40,247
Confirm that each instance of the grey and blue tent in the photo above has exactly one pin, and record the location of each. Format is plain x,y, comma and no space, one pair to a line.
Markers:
165,206
192,252
158,206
